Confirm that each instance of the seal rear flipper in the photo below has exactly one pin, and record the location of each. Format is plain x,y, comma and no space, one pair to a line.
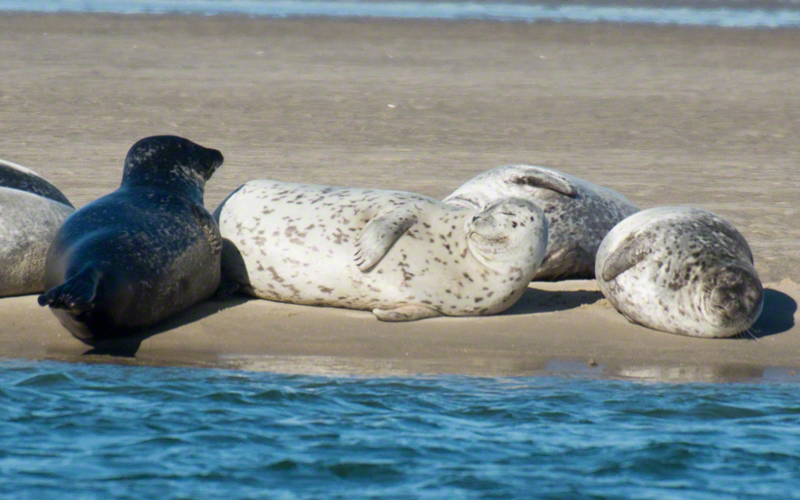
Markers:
545,179
379,235
629,253
408,312
76,295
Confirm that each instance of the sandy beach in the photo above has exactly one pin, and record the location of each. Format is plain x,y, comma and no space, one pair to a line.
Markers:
665,115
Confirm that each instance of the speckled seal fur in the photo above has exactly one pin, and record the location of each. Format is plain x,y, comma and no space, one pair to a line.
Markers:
142,253
579,213
402,255
31,211
680,270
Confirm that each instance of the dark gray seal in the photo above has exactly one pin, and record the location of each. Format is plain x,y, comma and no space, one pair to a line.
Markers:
31,211
680,270
579,213
146,251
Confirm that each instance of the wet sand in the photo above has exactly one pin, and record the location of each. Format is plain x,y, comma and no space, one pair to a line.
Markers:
665,115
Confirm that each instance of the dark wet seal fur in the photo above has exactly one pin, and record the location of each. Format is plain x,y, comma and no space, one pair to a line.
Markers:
11,176
681,270
579,213
142,253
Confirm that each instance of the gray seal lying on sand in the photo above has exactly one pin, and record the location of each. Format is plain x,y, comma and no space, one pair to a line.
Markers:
402,255
31,211
680,270
142,253
579,213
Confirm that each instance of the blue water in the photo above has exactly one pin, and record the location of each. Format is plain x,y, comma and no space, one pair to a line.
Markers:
106,431
726,13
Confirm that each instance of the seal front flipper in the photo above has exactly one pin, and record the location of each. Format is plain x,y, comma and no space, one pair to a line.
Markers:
546,179
408,312
629,253
76,295
379,235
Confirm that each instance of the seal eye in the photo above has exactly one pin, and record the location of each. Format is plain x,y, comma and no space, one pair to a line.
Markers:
513,224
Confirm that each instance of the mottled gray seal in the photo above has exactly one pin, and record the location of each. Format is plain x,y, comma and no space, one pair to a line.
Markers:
402,255
31,211
18,177
579,213
142,253
28,223
680,270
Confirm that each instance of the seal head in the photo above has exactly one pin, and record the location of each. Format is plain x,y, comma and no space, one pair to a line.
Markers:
173,161
733,298
509,230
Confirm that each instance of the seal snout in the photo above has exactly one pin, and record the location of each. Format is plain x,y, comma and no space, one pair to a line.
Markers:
737,297
214,160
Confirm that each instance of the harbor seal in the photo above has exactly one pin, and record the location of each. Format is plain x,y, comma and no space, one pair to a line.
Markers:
31,211
141,253
579,213
680,270
402,255
18,177
28,223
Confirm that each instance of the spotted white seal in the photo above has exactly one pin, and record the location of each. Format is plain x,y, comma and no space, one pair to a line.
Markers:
31,211
680,270
579,213
402,255
142,253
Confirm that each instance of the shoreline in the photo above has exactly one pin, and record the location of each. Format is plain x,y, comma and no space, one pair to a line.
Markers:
664,115
545,333
749,15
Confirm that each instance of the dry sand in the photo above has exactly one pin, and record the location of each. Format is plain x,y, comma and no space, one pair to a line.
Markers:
665,115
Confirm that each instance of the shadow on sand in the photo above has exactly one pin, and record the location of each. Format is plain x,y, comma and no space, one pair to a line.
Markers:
129,346
777,315
536,300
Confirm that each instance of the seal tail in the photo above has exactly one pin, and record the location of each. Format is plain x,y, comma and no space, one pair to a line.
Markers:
76,294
